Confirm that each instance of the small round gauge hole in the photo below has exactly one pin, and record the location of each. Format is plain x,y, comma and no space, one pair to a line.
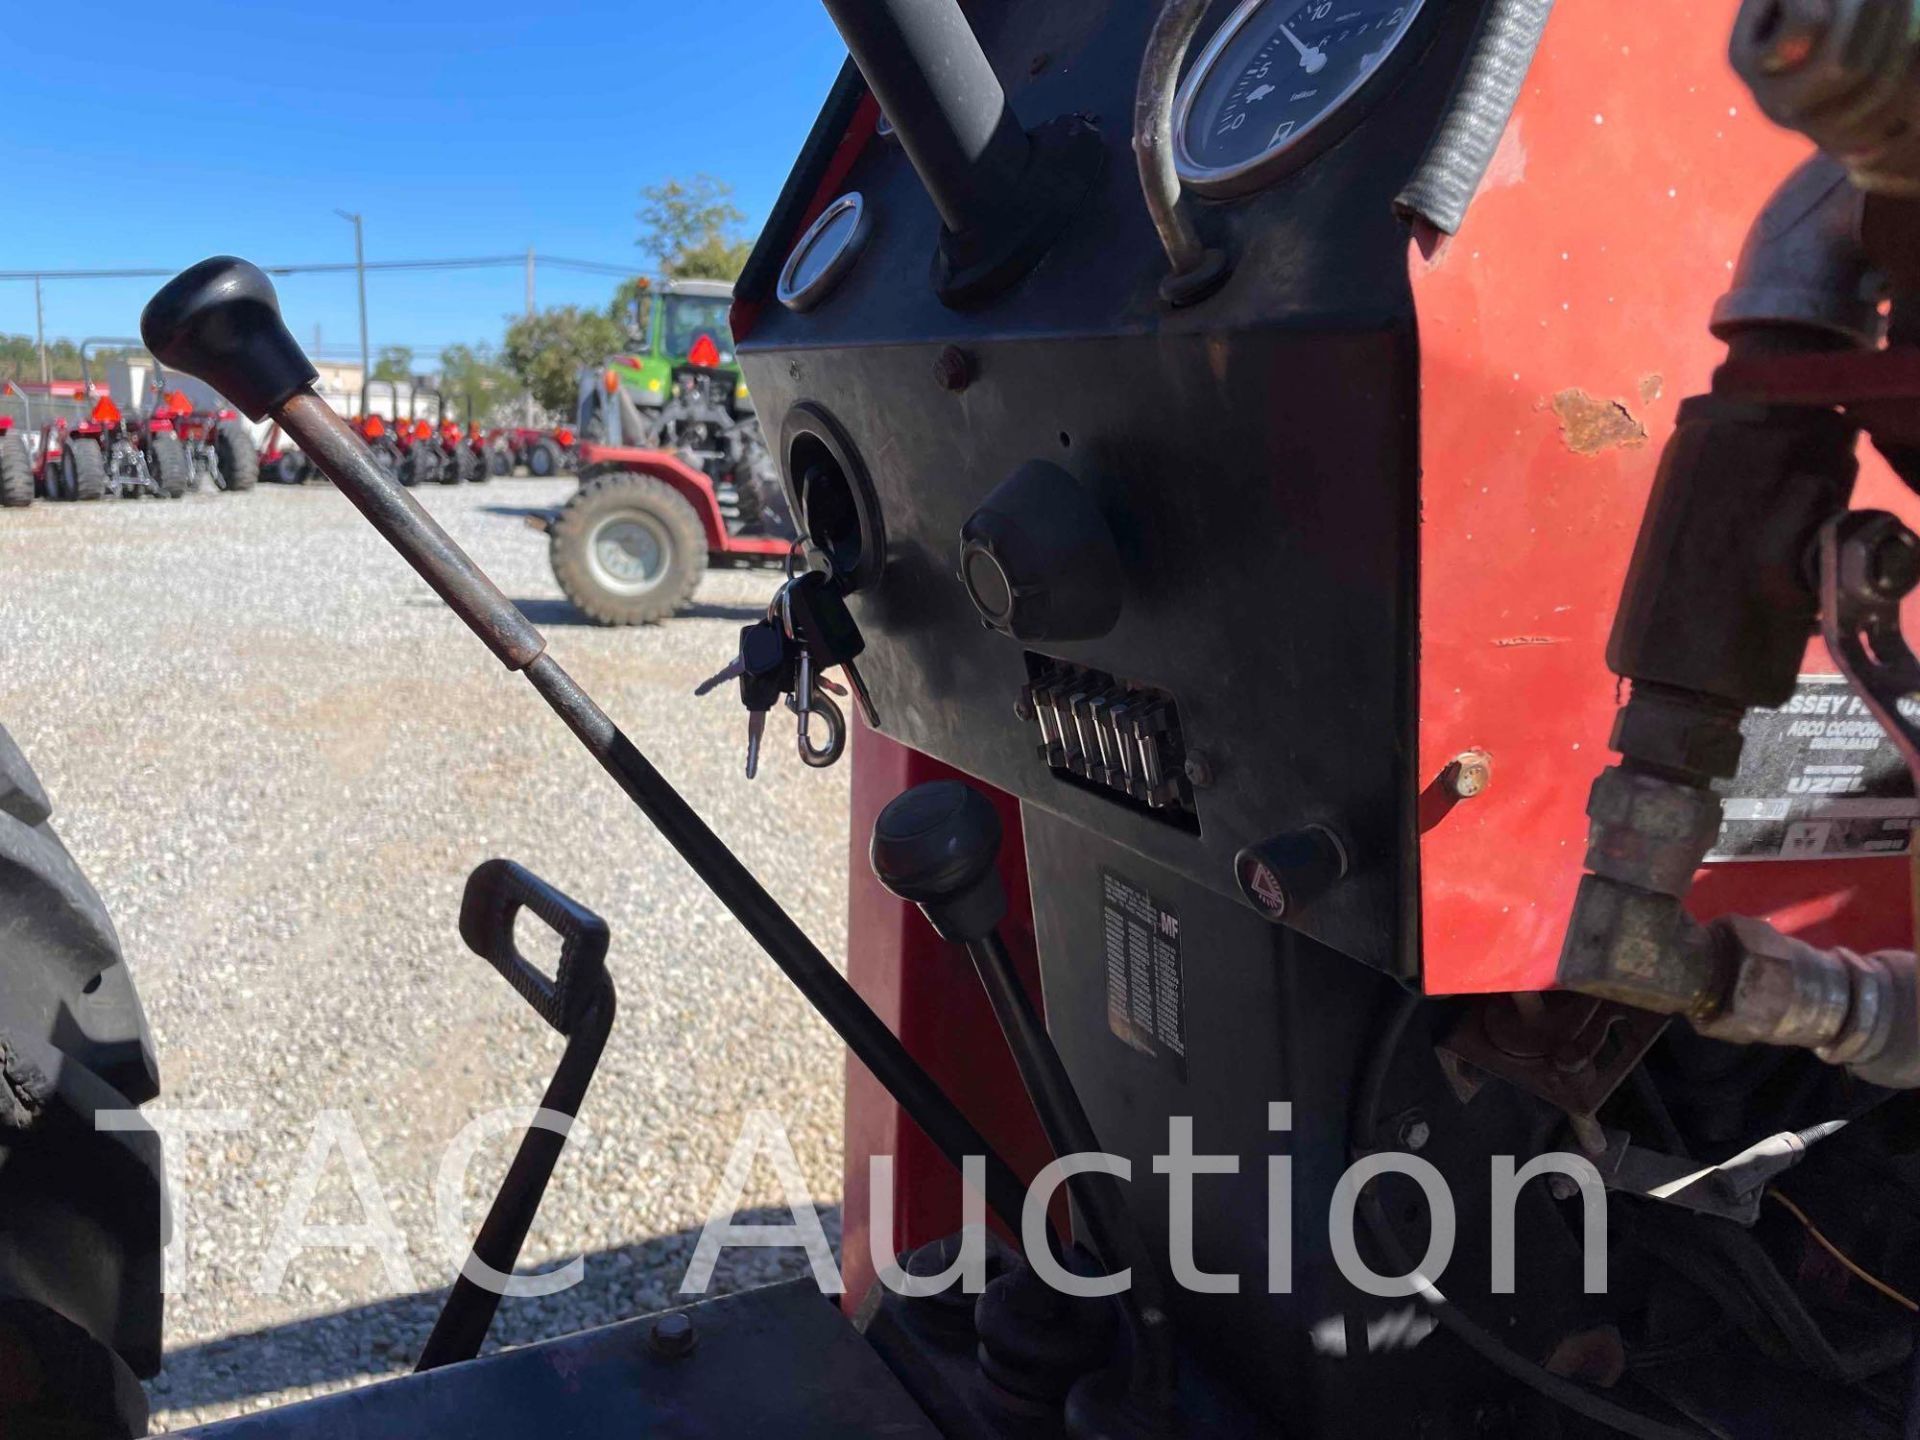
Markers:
1066,440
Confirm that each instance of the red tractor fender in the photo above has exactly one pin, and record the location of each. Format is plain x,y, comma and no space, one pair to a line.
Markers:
693,485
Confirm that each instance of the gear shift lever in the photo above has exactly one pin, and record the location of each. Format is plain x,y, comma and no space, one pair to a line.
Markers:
936,845
220,321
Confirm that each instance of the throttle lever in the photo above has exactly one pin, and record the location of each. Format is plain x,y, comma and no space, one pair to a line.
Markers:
220,321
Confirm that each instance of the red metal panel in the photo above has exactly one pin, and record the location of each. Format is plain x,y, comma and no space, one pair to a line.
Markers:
1559,331
926,990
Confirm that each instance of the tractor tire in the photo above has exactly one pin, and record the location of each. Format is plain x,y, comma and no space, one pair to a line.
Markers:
628,550
83,470
446,468
473,466
499,461
234,453
168,458
81,1204
16,473
543,458
290,467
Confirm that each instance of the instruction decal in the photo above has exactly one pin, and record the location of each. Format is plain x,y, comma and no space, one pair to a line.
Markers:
1146,987
1819,780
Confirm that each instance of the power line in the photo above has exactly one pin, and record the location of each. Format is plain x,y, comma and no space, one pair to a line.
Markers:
334,267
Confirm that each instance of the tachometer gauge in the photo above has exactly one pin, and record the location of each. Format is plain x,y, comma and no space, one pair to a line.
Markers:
1273,75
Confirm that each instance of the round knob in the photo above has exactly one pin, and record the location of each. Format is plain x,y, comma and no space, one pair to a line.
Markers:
220,321
1038,560
936,845
1283,875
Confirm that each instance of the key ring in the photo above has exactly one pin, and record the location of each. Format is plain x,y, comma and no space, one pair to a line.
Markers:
836,745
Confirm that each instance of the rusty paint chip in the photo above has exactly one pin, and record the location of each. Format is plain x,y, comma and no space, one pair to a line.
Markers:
1651,387
1512,640
1589,425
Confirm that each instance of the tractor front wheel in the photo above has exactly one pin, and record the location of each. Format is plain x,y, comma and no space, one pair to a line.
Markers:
238,460
168,458
499,461
543,458
290,468
83,469
628,550
16,472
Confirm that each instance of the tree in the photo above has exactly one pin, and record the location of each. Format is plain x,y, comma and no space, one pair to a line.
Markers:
394,362
471,375
628,308
692,229
20,360
546,351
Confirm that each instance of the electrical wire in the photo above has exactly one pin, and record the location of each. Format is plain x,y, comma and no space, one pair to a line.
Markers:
1489,1347
1835,1251
336,267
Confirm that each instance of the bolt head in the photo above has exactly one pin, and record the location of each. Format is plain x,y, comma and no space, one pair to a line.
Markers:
672,1335
1199,769
1472,772
1414,1134
953,369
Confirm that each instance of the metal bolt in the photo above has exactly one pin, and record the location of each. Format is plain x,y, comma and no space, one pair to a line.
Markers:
1414,1133
1199,768
672,1335
1894,565
1023,709
953,369
1039,62
1879,557
1470,772
1562,1187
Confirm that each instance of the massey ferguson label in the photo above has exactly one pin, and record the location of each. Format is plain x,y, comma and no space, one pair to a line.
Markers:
1819,780
1145,1004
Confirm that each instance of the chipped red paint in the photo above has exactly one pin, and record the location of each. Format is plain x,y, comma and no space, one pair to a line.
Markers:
1588,265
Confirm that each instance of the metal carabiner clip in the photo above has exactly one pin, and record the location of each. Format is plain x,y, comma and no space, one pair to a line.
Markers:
830,753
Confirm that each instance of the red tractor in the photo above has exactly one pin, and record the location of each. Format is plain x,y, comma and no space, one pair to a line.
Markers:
382,439
16,461
220,451
106,454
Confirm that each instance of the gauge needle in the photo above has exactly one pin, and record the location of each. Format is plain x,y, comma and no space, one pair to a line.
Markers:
1312,58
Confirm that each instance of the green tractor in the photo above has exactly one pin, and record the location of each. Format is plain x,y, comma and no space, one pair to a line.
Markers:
680,390
667,322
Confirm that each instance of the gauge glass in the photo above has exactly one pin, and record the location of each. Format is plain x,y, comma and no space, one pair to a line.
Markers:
1275,71
824,253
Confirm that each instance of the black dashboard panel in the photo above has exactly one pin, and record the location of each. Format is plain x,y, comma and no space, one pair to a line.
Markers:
1255,455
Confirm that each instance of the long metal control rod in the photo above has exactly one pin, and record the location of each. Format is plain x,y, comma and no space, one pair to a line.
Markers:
932,79
332,445
1103,1206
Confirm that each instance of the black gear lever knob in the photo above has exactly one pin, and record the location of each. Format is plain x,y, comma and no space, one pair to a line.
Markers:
936,845
220,322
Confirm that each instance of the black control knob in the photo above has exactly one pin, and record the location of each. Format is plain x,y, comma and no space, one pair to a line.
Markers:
220,322
1038,560
1283,875
936,845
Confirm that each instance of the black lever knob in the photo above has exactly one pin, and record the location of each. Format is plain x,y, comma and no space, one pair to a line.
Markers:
936,845
1038,560
220,322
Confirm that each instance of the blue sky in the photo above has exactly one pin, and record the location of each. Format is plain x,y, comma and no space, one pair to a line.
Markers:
473,128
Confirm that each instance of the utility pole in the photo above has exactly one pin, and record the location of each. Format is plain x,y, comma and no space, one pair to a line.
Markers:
529,282
40,333
360,270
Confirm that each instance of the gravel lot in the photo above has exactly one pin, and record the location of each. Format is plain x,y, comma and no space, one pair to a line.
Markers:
278,757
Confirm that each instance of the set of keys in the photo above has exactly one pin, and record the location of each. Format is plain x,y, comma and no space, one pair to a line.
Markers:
808,631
